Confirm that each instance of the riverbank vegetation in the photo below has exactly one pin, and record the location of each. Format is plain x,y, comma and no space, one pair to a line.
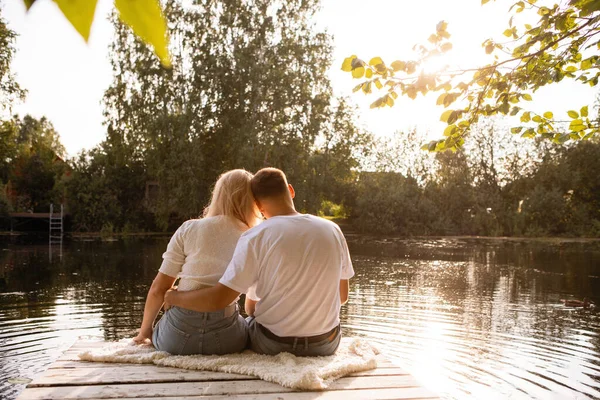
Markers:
248,89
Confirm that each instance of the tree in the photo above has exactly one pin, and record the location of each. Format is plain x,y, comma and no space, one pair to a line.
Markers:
144,17
35,167
10,90
244,92
562,45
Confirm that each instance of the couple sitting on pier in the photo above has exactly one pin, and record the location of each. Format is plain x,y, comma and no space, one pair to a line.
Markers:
294,269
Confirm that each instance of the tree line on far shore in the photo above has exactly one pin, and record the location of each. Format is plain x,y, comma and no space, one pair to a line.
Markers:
248,89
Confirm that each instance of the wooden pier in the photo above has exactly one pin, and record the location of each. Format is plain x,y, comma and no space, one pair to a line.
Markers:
69,378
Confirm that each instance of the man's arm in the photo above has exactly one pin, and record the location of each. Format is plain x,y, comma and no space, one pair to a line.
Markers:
250,306
203,300
344,289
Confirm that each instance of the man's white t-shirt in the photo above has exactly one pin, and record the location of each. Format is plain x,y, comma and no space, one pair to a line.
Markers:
292,265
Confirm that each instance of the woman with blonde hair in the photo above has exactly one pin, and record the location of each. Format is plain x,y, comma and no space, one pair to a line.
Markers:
198,254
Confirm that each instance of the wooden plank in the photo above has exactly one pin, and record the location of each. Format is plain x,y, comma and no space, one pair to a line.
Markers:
204,388
360,394
129,374
124,374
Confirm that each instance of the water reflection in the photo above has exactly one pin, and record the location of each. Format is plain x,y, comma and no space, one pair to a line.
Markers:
470,318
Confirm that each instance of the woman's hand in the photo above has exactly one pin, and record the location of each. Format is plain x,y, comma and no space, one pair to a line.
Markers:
144,336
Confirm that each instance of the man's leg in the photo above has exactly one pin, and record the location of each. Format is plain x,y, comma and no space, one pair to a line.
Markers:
264,345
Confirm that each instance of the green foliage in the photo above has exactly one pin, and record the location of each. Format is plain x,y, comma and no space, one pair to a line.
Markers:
562,45
107,231
226,104
10,91
144,17
31,161
332,210
495,186
5,206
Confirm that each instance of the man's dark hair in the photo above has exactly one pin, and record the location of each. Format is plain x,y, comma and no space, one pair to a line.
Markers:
268,182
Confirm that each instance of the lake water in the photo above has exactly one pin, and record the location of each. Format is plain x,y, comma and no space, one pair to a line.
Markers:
470,318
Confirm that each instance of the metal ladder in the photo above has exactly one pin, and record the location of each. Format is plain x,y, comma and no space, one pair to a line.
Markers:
56,229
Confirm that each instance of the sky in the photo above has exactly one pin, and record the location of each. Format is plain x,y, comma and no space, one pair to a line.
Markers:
66,77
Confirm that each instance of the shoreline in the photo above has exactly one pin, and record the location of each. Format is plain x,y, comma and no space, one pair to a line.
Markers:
349,234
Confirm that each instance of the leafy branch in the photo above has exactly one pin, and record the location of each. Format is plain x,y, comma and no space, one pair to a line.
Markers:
558,47
144,17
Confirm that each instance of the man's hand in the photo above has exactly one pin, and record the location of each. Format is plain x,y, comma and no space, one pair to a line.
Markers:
170,297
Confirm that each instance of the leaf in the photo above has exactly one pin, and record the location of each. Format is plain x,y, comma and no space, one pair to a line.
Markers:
573,114
411,92
526,117
450,130
584,111
357,63
446,115
358,72
441,26
28,3
527,97
489,48
366,87
378,83
517,129
375,61
536,118
508,33
446,47
589,7
440,99
389,101
80,14
576,125
548,115
357,87
399,66
453,117
586,64
484,2
147,21
369,73
347,64
377,103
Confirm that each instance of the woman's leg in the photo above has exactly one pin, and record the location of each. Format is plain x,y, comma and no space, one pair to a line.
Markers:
185,332
226,336
168,334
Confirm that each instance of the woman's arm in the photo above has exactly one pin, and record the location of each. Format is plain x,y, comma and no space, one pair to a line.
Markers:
154,301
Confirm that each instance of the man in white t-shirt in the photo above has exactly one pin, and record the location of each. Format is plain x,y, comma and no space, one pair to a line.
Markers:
294,269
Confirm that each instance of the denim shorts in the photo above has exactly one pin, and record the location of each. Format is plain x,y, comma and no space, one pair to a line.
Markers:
264,345
184,332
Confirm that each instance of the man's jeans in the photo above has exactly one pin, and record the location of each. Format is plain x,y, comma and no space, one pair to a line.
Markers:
264,345
183,332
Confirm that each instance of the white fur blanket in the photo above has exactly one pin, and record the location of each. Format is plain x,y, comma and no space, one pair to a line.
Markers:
301,373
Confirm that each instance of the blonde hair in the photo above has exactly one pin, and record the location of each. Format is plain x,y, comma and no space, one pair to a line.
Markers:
232,196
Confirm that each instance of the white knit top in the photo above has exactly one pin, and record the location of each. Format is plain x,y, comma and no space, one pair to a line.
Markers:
200,251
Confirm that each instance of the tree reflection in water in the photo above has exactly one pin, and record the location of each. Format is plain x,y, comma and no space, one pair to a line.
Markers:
471,318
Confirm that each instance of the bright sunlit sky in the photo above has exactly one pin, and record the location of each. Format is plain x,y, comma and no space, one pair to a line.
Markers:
66,78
